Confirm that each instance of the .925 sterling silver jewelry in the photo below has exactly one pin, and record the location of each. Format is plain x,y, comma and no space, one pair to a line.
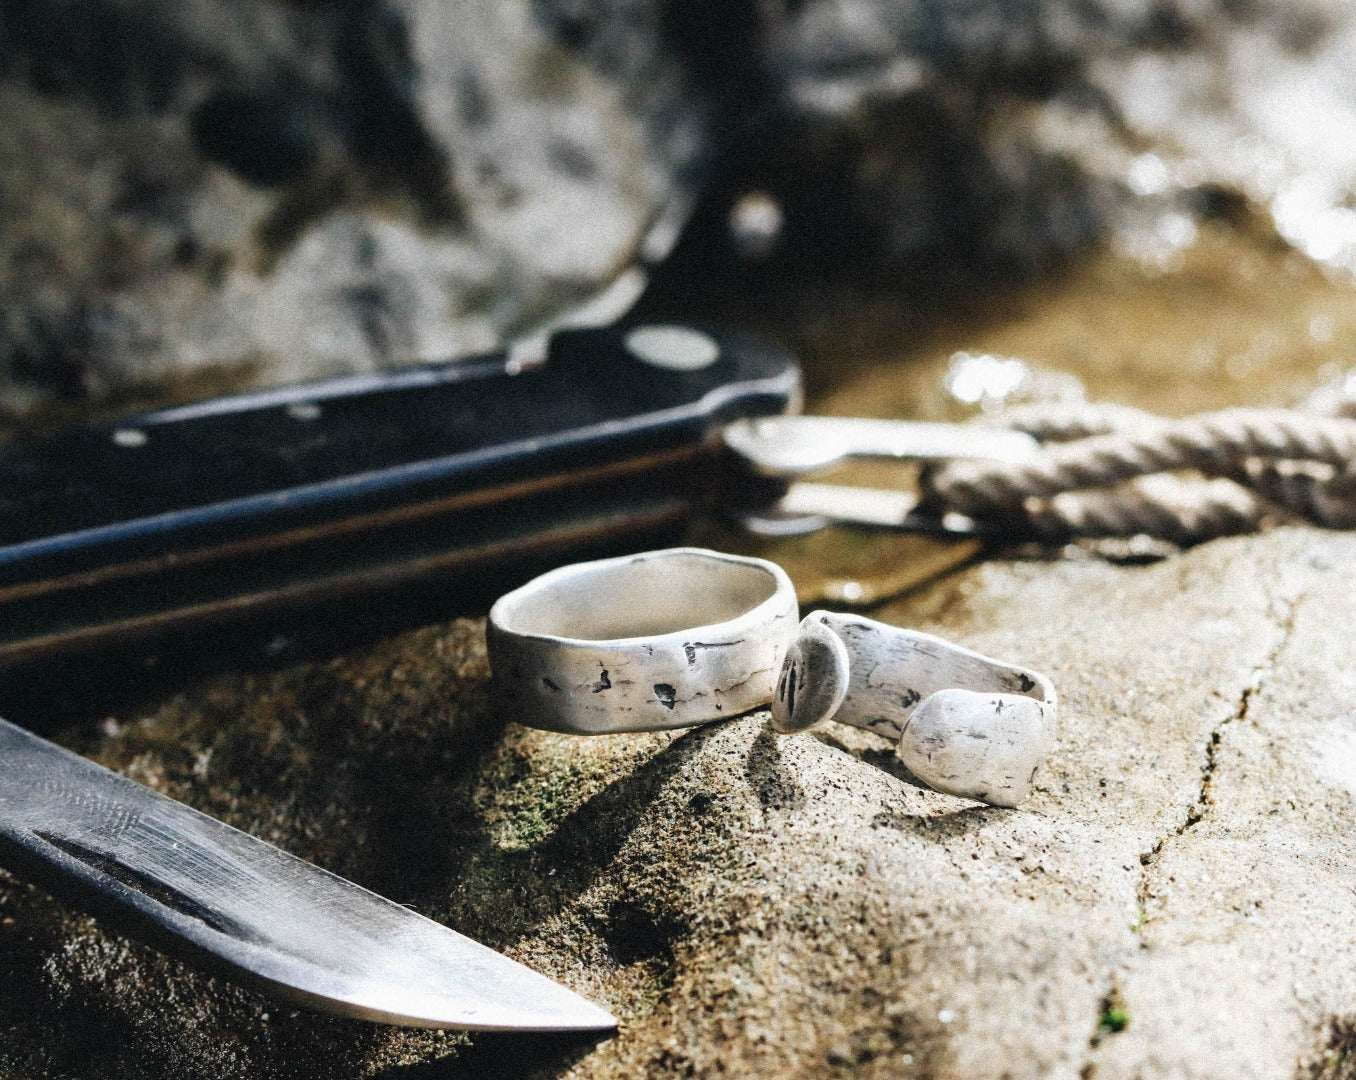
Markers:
675,638
964,723
664,639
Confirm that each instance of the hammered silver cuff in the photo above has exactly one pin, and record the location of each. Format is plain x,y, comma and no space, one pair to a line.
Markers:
962,722
675,638
664,639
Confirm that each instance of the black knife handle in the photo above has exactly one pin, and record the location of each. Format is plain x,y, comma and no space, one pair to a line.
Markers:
279,498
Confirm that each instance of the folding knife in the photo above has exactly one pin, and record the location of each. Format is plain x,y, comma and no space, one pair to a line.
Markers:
357,486
292,497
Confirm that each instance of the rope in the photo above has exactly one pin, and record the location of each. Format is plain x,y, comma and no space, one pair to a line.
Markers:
1115,471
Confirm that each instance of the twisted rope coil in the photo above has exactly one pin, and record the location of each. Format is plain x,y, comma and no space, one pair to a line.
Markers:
1114,471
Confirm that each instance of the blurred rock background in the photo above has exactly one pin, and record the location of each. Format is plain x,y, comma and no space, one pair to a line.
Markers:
267,190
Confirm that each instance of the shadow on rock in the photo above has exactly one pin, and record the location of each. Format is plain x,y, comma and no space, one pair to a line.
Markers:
545,880
939,828
509,1056
547,877
883,758
774,784
936,827
109,1007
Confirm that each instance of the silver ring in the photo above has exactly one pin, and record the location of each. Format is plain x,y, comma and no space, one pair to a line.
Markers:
648,642
963,722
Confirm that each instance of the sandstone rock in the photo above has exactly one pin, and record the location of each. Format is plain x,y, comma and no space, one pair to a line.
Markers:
1175,900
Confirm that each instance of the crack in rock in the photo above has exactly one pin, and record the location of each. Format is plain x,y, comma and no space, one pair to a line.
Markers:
1112,1005
1285,625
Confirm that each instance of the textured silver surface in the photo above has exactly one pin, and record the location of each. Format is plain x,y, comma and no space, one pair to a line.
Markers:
647,642
964,723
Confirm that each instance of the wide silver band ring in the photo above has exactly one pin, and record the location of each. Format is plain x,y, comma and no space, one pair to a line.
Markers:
664,639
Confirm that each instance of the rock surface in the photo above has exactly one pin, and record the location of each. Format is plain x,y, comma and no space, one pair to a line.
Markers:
298,190
1174,901
278,190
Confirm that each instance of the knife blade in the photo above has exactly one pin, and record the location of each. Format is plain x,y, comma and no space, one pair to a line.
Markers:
234,904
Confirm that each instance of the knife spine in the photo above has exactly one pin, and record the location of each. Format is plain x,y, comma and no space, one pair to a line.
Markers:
662,518
348,525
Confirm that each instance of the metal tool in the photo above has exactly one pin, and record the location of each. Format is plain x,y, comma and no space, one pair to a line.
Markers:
290,497
784,448
807,507
349,488
237,905
357,487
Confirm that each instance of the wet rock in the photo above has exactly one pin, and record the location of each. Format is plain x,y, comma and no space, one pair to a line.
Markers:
1170,902
284,191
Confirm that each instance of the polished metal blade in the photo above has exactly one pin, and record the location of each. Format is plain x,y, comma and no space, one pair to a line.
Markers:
785,446
229,901
806,507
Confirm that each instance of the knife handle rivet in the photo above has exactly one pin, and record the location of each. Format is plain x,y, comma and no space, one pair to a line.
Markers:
130,438
303,410
674,348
